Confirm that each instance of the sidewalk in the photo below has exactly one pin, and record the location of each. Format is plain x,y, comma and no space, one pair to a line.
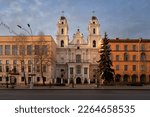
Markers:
86,87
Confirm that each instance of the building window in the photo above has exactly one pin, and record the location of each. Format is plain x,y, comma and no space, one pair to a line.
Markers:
117,67
125,67
14,49
29,62
44,68
62,31
7,62
22,79
78,58
15,62
143,57
37,49
142,68
134,47
38,68
78,68
14,69
117,48
126,57
44,79
7,68
94,43
29,68
94,31
117,57
0,62
38,79
0,78
29,49
125,47
1,49
85,70
71,70
7,49
134,67
110,57
134,57
22,49
78,47
62,70
1,68
44,49
62,43
142,47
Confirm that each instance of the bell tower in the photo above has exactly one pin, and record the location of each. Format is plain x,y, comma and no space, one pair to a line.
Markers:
94,32
62,32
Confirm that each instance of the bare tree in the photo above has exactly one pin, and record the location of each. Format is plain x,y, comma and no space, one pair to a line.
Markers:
21,42
42,55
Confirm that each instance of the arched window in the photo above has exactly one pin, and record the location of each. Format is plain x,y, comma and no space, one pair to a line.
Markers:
62,31
143,57
94,43
94,31
126,57
62,43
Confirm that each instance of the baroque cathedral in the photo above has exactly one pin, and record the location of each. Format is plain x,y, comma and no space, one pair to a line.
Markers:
76,57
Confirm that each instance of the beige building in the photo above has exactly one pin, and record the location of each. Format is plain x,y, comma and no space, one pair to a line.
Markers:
76,56
18,61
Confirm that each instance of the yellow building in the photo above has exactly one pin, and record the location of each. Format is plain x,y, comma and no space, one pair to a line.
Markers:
20,58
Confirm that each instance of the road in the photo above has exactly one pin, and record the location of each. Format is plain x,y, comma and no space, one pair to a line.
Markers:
67,94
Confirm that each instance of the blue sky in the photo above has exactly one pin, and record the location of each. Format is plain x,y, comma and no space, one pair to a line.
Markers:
119,18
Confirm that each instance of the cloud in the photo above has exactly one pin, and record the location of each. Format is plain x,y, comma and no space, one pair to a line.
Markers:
120,18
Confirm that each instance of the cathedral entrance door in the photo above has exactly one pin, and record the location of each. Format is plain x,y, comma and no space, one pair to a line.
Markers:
78,80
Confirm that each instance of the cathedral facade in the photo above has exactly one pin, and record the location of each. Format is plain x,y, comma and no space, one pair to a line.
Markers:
76,57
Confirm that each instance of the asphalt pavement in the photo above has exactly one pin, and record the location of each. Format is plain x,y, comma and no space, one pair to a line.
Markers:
75,94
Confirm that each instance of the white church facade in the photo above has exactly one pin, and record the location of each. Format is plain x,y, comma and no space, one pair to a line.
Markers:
76,58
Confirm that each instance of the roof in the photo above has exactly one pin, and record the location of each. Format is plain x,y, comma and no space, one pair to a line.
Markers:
129,40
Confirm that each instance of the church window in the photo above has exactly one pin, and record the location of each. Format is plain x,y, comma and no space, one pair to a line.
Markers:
78,58
93,22
62,31
78,69
94,43
78,47
62,22
94,31
62,43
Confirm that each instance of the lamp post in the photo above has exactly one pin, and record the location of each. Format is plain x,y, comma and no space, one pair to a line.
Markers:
32,53
7,78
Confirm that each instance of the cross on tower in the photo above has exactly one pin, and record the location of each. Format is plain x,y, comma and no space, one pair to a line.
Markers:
62,13
93,12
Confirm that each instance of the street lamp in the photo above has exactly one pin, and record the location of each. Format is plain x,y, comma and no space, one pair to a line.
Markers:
7,78
32,57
